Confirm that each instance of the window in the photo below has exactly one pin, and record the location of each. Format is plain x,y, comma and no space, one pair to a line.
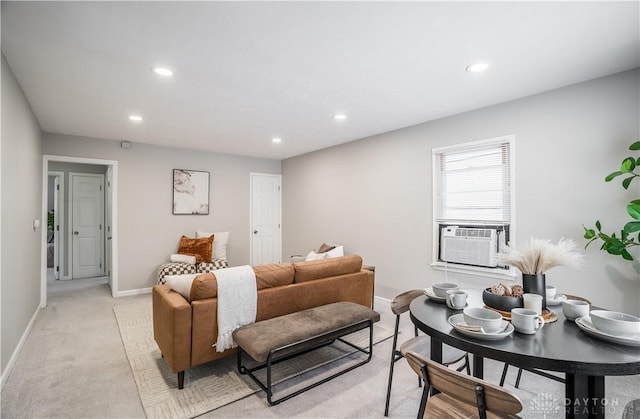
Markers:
473,204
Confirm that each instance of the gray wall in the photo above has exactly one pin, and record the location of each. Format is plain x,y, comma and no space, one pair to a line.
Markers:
375,195
148,231
67,168
21,178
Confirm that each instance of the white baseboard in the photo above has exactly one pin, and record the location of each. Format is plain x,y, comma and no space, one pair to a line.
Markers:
16,352
379,302
129,293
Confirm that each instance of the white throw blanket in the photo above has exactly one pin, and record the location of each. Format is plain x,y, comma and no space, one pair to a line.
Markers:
237,302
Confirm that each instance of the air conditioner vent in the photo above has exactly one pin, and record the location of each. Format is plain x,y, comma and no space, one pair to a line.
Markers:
468,245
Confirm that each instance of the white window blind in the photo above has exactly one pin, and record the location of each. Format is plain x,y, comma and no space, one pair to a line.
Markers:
473,183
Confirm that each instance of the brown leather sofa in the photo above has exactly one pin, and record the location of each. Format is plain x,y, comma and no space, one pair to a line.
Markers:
186,330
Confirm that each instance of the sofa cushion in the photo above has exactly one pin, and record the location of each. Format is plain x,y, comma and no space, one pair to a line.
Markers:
325,268
200,248
267,276
274,275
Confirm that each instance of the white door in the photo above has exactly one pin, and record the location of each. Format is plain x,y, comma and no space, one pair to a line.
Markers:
87,206
107,221
266,218
56,227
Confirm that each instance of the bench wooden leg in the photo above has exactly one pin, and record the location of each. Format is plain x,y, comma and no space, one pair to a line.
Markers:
180,380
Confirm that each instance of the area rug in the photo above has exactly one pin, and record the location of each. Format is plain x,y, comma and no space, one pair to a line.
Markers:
210,386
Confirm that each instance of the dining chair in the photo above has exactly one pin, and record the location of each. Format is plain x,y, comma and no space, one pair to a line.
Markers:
420,344
460,395
534,371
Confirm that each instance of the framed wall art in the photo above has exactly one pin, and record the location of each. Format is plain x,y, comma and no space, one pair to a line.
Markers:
190,192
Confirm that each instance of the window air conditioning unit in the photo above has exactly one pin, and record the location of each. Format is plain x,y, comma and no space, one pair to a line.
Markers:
469,245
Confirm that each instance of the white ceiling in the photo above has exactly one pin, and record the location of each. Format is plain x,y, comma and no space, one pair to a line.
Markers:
248,71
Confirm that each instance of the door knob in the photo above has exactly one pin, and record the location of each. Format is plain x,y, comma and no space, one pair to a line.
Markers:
255,231
75,233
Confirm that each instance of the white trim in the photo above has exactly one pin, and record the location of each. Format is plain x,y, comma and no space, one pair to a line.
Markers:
114,218
497,273
130,293
16,352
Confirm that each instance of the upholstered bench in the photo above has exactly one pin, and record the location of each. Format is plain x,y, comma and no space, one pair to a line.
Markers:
280,338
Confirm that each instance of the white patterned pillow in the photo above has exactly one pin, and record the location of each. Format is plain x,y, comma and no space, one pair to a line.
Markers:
215,264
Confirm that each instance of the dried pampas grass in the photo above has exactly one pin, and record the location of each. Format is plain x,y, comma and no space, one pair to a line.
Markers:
542,255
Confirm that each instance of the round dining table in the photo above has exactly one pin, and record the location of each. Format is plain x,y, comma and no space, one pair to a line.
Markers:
559,346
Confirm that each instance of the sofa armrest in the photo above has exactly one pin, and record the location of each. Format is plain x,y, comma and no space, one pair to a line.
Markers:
172,327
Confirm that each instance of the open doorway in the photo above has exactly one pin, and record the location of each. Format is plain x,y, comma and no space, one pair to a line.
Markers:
55,223
79,248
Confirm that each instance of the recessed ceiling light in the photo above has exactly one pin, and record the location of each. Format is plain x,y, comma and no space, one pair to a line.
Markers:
136,118
474,68
276,140
161,71
339,116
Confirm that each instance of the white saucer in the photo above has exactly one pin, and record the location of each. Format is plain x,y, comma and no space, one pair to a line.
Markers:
587,326
557,300
459,318
432,296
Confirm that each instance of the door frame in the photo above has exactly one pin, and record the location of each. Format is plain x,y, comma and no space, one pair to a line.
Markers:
103,236
252,176
113,279
59,243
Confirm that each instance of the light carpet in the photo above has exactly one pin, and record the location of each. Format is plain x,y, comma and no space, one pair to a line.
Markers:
210,386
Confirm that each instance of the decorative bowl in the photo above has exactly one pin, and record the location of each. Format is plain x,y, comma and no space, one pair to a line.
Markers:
489,320
501,302
440,288
615,323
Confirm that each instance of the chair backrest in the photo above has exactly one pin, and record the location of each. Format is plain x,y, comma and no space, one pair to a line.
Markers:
463,387
400,304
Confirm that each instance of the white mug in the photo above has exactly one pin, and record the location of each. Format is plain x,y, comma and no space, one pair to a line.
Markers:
533,302
551,292
456,299
526,321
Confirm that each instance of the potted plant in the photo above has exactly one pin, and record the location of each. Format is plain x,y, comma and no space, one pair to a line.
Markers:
629,235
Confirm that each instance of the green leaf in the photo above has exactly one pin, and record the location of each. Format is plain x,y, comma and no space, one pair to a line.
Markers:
627,182
635,146
634,210
628,165
589,233
632,227
638,162
626,255
598,225
612,176
635,201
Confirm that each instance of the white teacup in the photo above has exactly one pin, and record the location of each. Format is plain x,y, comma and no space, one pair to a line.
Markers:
572,309
440,288
551,292
526,321
456,299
